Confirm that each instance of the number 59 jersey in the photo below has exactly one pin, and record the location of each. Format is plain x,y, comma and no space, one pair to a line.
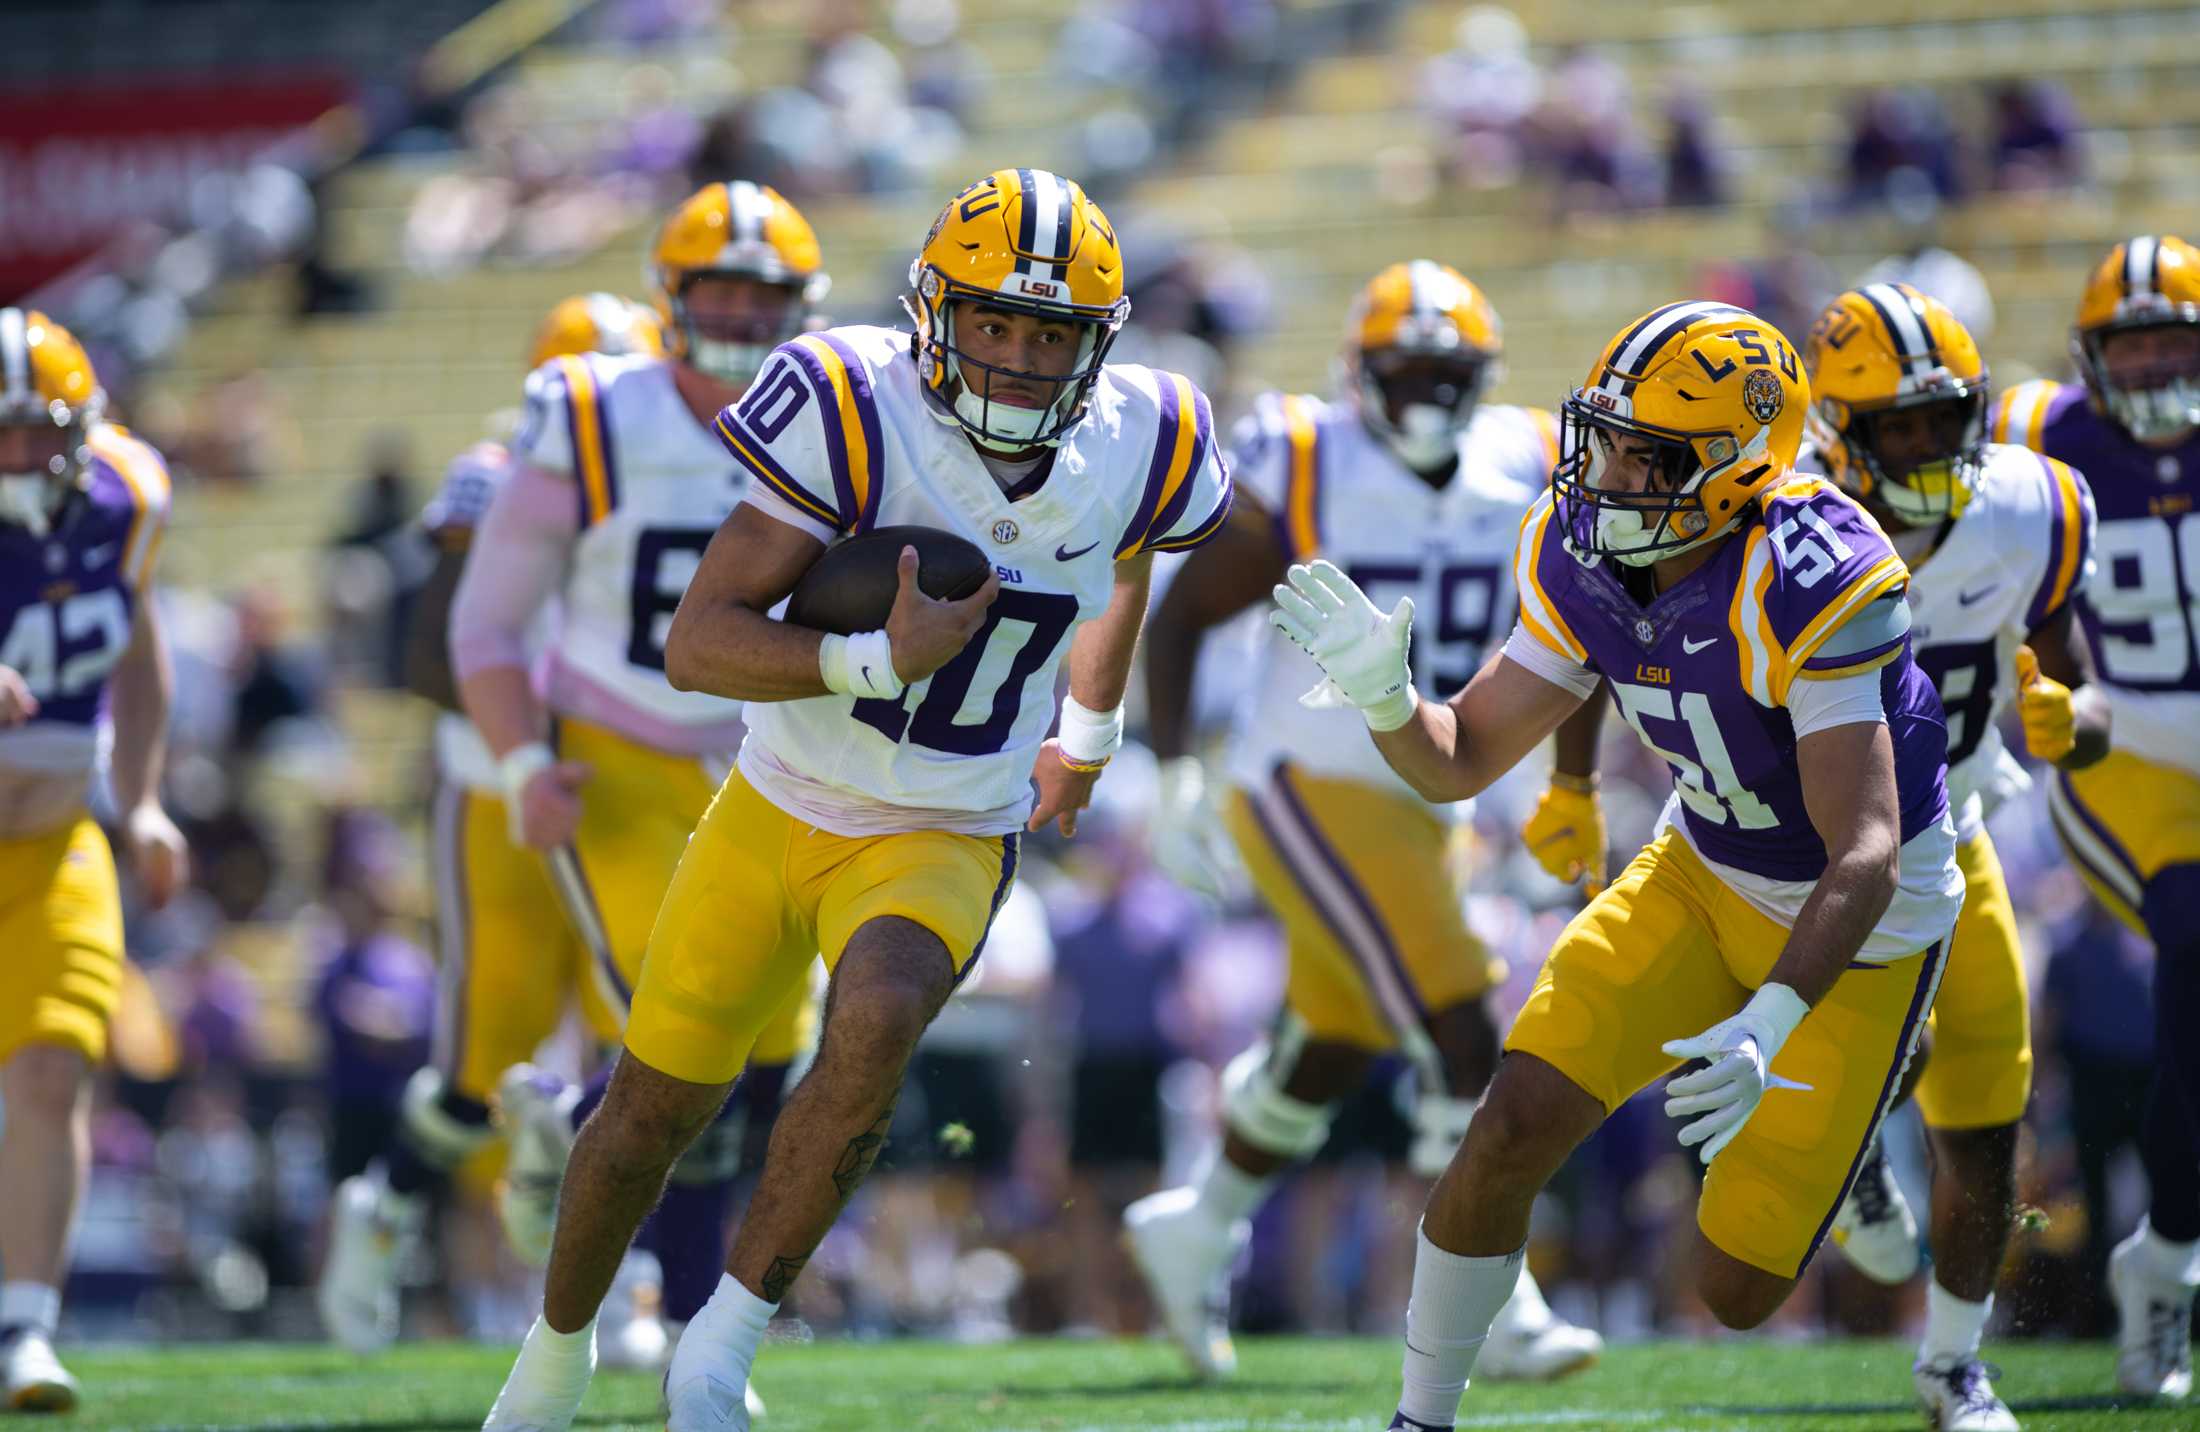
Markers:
1807,588
651,487
840,437
2015,557
1336,491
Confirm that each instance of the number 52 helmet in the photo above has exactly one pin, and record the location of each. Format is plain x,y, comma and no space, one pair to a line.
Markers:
1017,241
1887,348
1718,395
736,230
2145,282
47,386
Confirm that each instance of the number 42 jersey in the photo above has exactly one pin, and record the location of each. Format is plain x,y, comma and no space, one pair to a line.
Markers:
1806,588
840,437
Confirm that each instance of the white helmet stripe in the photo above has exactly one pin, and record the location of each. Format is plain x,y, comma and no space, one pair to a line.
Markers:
1421,276
2139,257
1653,336
1050,218
747,211
1912,343
15,360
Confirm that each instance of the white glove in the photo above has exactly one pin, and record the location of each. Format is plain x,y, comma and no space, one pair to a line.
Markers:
1741,1050
1187,839
1361,651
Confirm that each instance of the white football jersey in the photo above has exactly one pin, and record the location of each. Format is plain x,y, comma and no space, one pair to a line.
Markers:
1337,491
840,433
652,486
2004,568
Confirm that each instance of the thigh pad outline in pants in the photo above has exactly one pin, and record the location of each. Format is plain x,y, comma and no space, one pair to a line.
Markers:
60,940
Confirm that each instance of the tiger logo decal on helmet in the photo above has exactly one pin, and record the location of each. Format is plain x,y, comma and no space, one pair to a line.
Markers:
1018,241
736,230
1718,396
2152,281
47,386
1422,345
1887,348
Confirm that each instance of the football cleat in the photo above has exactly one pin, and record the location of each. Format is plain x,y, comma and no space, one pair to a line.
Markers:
1403,1423
1958,1396
537,1110
34,1379
1186,1260
1875,1228
1530,1343
709,1404
357,1294
2154,1325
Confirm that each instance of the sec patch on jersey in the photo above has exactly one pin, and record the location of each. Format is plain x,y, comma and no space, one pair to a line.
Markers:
851,589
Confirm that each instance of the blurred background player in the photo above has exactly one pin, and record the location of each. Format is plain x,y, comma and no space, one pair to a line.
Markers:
614,487
1999,542
1410,484
869,818
510,962
82,508
1796,903
2131,822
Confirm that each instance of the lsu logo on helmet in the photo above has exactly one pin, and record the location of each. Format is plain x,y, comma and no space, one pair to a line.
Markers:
1017,241
1422,345
1718,396
2148,282
737,230
48,387
1888,348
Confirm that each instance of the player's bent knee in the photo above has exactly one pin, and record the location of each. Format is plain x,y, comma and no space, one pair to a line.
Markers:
1740,1295
1532,1117
44,1080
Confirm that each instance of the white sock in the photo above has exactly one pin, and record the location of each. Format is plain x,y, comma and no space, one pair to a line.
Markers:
1455,1299
31,1305
722,1339
1228,1193
548,1379
1953,1325
2170,1262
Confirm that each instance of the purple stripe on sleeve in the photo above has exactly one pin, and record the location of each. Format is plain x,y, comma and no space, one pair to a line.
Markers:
859,387
836,444
1202,436
1157,471
2059,537
1209,527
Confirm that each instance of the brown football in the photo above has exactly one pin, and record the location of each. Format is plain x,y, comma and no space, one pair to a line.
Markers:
852,587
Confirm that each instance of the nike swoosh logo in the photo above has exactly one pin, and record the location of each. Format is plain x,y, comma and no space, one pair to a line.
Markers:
1692,647
1967,598
1063,554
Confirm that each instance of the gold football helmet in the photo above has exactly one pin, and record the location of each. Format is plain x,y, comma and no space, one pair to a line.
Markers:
1887,348
736,230
1420,350
596,323
1018,241
2149,282
1716,393
50,399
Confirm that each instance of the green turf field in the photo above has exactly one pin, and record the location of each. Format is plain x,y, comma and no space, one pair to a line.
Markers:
1290,1385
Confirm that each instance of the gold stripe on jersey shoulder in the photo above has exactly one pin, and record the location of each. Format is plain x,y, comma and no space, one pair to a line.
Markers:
589,462
1301,504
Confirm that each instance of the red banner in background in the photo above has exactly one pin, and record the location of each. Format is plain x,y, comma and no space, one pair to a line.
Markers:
81,163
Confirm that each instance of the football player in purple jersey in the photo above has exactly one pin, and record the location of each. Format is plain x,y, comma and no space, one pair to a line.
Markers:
1791,913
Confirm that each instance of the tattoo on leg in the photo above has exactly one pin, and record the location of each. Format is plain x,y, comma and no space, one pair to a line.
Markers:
780,1276
862,1152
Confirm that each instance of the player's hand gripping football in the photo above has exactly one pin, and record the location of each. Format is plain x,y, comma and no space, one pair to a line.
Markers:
1360,649
17,705
2046,707
1566,833
925,634
1741,1049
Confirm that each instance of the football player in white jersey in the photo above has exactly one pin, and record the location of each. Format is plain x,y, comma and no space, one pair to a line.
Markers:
875,810
1412,484
1999,541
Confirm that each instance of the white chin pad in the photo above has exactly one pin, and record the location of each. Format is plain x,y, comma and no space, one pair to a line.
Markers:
1426,435
2151,414
1001,420
727,362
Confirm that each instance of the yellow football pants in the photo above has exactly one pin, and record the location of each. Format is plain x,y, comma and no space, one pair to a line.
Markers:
60,940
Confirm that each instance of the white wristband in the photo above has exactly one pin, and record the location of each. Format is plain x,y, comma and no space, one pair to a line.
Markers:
1090,737
1393,710
514,771
861,665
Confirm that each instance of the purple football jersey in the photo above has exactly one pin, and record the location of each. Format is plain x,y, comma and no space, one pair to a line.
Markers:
67,599
2141,611
1702,671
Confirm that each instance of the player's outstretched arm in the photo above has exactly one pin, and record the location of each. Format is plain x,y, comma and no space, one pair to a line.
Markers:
2065,715
1849,790
142,682
1454,750
1092,718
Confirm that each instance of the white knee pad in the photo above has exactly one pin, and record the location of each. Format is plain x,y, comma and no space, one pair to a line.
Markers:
1257,1110
442,1140
1439,1128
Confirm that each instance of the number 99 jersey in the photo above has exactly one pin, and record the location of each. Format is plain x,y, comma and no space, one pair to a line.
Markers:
651,487
840,436
1336,491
